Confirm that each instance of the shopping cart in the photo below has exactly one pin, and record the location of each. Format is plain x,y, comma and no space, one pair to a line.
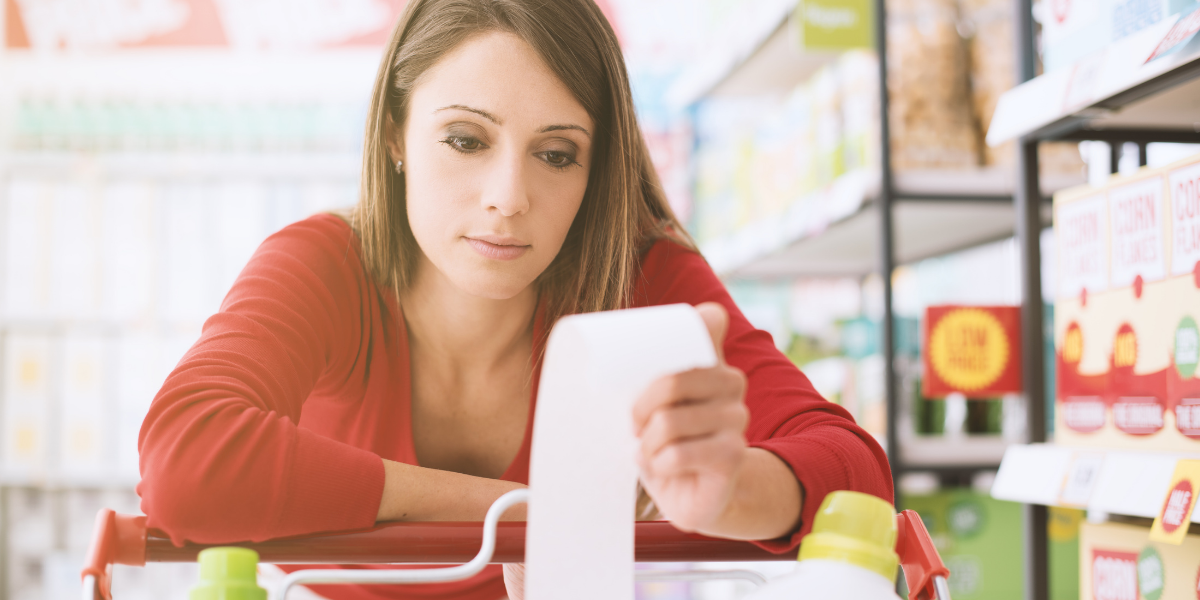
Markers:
125,540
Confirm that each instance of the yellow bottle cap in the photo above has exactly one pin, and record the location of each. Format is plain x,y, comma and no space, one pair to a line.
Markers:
228,574
855,528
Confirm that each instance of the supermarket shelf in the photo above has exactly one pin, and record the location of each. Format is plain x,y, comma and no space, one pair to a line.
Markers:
850,246
54,480
1130,483
939,452
184,164
1115,92
192,74
835,231
768,61
989,183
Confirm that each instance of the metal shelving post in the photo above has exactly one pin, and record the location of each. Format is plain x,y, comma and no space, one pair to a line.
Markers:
887,259
1027,200
1029,228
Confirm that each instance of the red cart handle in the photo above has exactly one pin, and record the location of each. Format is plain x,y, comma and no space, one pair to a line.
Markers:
924,570
123,539
118,539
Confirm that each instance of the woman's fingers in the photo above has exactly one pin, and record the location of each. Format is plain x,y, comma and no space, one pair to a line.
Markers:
712,453
716,383
514,580
716,319
678,423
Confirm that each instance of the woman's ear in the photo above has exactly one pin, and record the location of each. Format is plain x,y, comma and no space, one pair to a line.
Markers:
394,139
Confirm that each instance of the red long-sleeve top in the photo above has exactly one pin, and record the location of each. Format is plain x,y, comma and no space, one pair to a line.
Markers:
274,423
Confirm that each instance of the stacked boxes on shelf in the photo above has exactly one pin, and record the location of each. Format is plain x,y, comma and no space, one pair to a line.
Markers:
991,40
1127,348
106,283
1127,312
105,279
1074,30
769,168
97,123
830,328
979,539
1119,562
928,77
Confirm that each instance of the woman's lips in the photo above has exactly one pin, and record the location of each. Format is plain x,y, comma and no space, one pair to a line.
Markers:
497,251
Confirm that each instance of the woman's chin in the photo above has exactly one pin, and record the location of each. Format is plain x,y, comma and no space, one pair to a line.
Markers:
492,285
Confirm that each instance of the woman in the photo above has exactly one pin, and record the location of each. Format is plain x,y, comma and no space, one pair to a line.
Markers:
384,366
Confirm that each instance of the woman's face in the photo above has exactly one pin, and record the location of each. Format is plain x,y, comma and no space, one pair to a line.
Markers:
496,155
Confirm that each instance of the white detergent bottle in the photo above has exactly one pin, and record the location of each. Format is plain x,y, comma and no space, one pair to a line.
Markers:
850,554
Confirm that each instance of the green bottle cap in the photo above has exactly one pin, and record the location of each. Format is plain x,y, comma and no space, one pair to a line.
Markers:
228,574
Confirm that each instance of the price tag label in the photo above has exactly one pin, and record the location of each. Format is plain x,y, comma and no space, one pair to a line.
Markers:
1083,85
1171,524
1081,480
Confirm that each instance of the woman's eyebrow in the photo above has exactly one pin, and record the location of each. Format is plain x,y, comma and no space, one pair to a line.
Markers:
483,113
494,119
550,128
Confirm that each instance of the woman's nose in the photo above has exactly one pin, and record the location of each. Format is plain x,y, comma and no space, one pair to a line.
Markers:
507,191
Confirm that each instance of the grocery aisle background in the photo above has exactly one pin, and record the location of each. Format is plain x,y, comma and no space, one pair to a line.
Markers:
147,148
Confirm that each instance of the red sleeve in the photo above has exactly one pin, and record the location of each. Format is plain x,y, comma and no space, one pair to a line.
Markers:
222,457
819,440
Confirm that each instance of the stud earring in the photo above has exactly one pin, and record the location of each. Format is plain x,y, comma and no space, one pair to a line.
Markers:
399,166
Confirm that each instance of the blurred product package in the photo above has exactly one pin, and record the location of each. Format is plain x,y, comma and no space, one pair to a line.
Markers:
932,122
1072,31
991,40
1126,313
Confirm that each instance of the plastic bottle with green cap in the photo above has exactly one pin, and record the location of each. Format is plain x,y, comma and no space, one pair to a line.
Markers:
228,574
851,553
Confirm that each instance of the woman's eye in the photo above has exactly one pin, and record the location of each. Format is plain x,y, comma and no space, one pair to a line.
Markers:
557,159
463,143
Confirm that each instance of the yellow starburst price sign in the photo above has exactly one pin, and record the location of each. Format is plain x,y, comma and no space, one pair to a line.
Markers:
1171,524
972,350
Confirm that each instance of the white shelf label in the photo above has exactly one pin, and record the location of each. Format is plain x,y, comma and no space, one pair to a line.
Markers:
1081,479
1084,83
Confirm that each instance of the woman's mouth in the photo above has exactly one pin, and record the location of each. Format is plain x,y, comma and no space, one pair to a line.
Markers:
498,248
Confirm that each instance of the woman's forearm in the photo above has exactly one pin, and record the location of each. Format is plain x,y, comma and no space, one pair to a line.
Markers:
412,493
765,504
766,500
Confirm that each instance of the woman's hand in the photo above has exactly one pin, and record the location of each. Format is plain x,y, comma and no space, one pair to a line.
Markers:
691,426
514,580
694,460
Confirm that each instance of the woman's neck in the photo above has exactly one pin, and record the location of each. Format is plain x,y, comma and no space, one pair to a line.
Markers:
461,332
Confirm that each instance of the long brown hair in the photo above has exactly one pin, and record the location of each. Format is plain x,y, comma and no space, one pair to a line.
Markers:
623,208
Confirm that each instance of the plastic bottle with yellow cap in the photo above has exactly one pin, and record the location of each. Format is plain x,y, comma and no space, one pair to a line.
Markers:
849,554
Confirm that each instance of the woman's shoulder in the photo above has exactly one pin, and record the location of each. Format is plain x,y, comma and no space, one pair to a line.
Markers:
319,252
666,252
316,229
669,269
323,238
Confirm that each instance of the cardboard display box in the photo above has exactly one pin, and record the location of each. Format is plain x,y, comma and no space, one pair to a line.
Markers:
1126,312
978,537
1119,562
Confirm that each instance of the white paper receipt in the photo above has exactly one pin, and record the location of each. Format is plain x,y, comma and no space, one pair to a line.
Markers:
582,472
